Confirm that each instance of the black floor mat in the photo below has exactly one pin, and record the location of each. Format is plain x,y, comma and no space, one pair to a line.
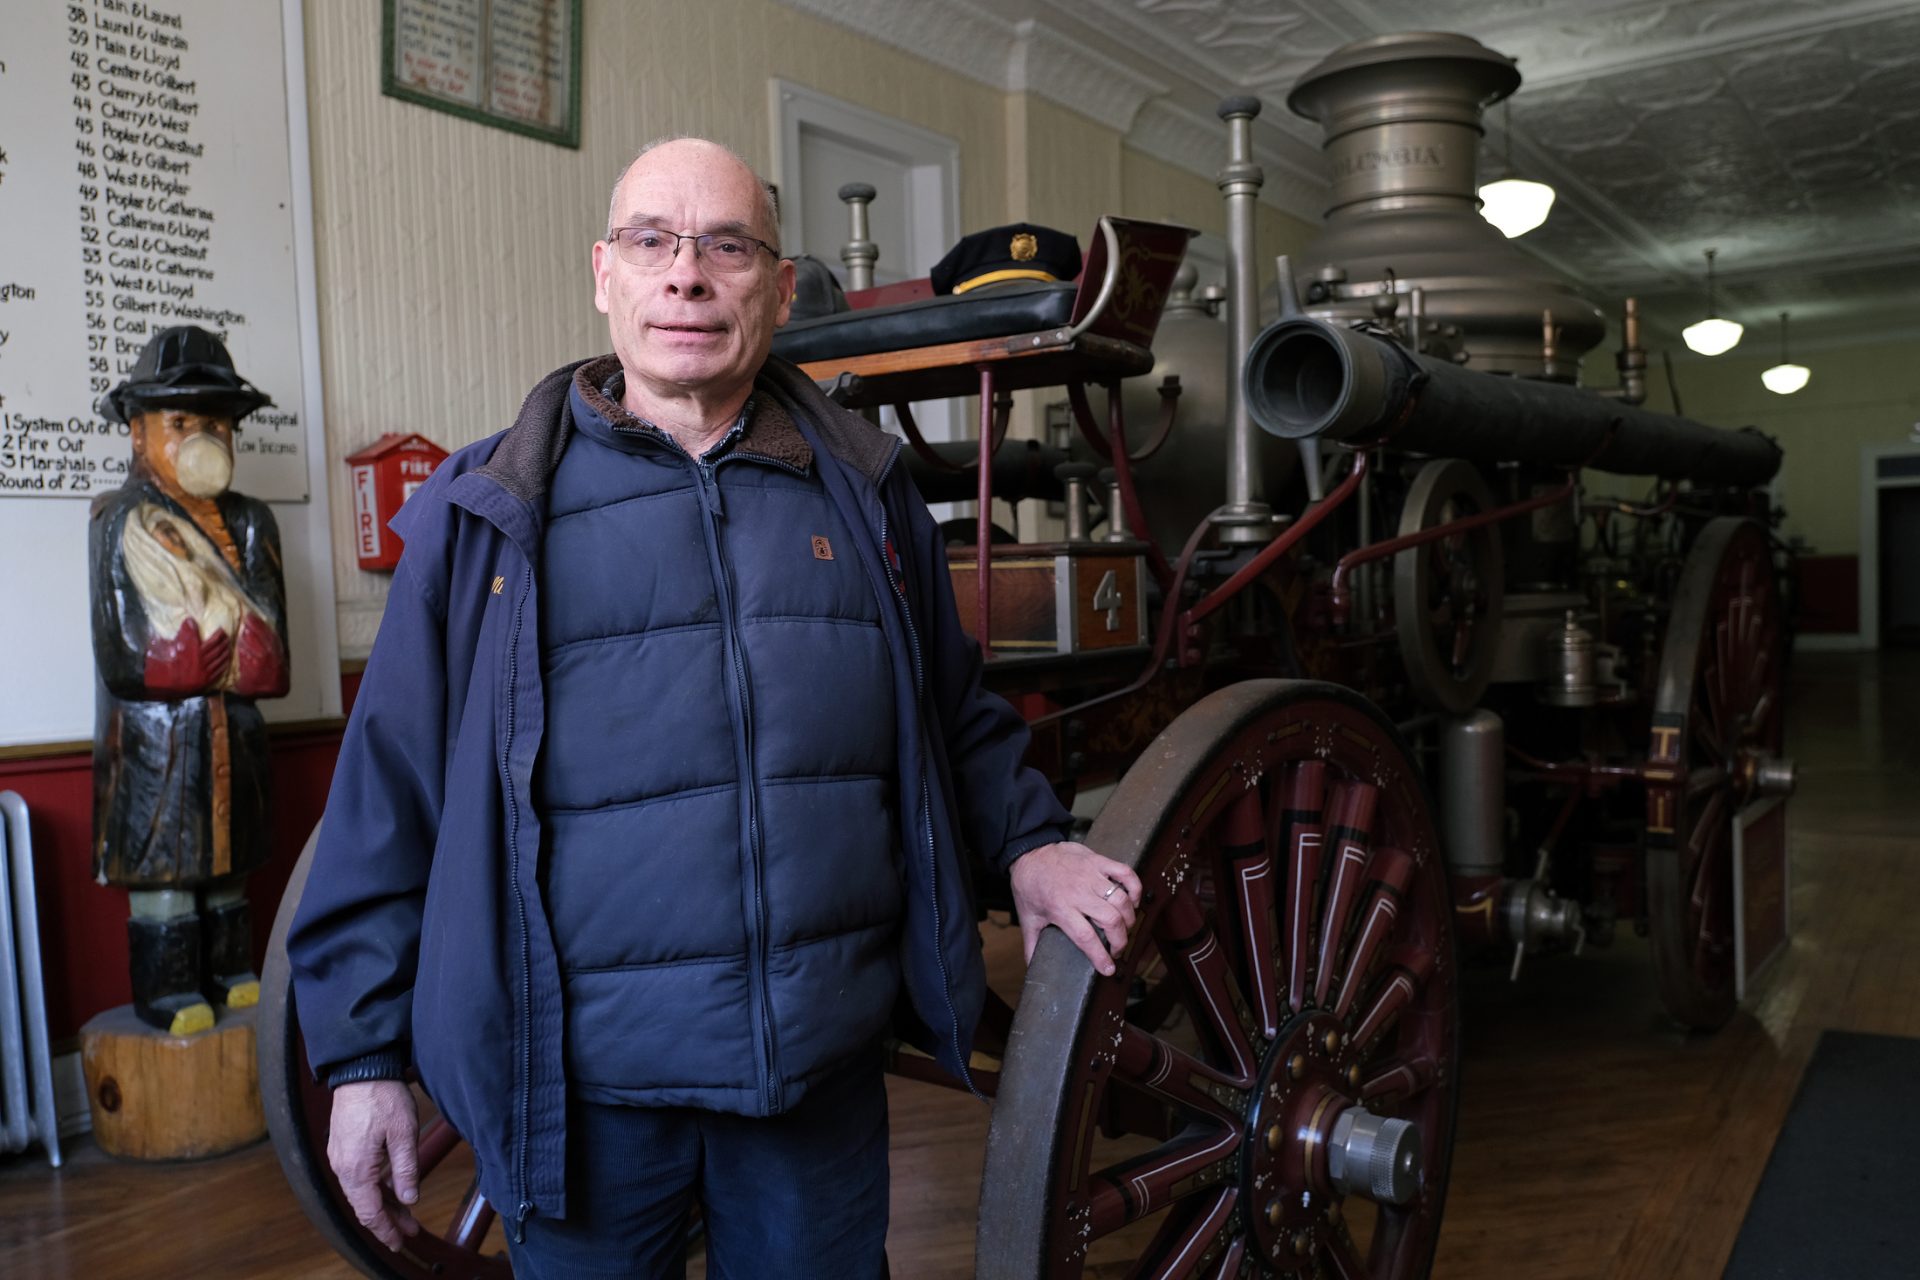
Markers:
1843,1182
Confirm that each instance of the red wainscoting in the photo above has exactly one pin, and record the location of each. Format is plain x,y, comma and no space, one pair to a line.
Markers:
83,925
1829,591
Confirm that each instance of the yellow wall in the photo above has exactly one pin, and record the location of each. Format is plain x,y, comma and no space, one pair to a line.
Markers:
453,258
1860,395
1072,166
1070,170
1152,188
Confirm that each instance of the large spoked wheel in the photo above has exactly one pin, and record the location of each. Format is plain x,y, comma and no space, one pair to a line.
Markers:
1293,1116
1716,735
298,1109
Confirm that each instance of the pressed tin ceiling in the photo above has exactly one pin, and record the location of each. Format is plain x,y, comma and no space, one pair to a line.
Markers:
1784,133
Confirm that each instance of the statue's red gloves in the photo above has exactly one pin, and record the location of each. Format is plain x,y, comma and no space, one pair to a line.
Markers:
263,661
184,664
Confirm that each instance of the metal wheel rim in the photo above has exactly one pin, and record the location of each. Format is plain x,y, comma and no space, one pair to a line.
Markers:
1038,1185
297,1107
1719,688
1436,677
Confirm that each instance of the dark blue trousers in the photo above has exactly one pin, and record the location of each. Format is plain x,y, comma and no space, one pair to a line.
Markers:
799,1196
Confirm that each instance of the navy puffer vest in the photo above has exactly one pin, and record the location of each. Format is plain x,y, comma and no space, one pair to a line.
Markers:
716,782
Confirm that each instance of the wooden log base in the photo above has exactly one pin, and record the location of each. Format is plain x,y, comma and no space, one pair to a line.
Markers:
156,1096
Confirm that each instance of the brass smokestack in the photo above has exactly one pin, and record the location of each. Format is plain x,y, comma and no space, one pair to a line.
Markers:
1402,117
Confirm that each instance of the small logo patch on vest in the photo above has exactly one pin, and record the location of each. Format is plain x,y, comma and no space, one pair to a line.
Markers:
822,549
498,583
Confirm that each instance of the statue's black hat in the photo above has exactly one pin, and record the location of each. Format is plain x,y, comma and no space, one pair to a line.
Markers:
1018,252
183,367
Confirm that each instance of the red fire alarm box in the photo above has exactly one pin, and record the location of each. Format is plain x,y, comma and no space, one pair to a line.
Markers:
385,474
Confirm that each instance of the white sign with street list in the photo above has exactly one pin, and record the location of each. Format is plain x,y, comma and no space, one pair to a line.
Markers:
144,182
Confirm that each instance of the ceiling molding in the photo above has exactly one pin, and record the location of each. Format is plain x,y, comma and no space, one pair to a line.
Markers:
1051,65
951,34
1151,114
1012,55
1251,46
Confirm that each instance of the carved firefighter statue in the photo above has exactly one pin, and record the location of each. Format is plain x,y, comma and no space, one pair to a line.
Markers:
189,629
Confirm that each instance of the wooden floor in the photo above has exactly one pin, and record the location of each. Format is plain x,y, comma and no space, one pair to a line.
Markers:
1594,1140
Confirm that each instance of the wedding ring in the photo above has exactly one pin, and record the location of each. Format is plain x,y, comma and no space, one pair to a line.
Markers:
1110,888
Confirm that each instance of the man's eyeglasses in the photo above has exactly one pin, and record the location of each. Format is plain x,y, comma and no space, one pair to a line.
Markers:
652,249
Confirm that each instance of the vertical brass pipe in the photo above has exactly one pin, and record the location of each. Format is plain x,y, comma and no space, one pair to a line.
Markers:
859,253
1246,517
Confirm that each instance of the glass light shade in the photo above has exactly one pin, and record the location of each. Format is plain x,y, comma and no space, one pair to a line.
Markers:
1713,335
1785,379
1515,205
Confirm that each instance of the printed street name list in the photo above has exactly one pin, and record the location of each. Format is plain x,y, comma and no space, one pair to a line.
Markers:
143,155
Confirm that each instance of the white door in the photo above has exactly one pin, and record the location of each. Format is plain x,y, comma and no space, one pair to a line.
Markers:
828,162
822,144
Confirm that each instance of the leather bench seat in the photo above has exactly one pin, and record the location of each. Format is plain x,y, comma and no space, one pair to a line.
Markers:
929,322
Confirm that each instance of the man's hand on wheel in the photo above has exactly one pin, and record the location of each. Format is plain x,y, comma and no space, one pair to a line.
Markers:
1071,887
371,1145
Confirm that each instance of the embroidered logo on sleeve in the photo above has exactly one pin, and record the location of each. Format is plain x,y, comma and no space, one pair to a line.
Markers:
822,549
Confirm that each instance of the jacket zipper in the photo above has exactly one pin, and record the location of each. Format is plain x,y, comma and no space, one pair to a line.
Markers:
520,906
757,941
926,799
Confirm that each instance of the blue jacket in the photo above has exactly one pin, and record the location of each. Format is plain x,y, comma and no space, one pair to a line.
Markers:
422,934
716,784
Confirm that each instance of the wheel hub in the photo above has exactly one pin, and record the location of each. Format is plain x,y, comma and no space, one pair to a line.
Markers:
1758,773
1374,1156
1309,1143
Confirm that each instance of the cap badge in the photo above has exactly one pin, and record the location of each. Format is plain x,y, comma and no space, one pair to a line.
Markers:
1025,247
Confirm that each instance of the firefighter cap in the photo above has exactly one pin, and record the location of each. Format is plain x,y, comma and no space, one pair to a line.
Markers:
1008,254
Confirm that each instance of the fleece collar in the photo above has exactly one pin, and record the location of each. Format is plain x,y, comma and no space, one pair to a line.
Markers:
767,431
524,460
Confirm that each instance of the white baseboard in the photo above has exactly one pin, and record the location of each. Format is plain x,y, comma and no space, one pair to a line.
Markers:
359,623
1831,642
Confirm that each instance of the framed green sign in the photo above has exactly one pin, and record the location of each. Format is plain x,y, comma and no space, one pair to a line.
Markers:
513,64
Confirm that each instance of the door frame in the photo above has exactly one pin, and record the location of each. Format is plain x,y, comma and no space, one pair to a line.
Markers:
934,217
1872,483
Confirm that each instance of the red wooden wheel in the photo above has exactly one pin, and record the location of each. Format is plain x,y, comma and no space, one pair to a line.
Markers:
1716,731
1295,1115
298,1110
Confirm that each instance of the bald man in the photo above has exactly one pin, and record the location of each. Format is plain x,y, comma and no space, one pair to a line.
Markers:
650,824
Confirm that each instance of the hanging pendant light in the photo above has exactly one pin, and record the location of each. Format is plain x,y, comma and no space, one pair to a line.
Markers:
1712,336
1786,377
1514,205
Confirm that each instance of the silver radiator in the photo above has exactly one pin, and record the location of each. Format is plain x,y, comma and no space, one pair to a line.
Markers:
26,1064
